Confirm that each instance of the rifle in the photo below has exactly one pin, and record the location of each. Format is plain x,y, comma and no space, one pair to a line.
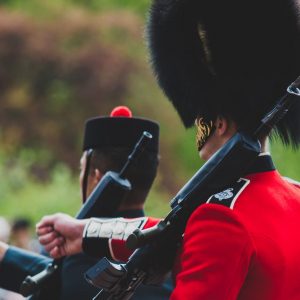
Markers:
103,202
156,247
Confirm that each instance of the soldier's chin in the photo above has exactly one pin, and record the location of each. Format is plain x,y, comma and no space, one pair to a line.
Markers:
203,153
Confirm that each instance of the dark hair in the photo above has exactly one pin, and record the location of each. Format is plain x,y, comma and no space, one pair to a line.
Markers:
20,224
141,175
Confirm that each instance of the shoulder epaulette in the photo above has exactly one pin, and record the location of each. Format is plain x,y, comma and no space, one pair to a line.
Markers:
229,196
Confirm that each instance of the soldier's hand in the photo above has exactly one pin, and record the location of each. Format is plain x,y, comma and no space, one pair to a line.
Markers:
61,234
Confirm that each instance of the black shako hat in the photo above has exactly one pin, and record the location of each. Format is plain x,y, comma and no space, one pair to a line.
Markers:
233,58
119,129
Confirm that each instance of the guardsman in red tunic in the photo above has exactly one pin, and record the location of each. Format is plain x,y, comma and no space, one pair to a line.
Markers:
223,64
244,243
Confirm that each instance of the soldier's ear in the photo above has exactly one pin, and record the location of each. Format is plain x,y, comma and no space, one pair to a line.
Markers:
97,175
225,127
221,125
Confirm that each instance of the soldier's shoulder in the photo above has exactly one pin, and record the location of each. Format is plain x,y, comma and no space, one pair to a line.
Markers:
230,195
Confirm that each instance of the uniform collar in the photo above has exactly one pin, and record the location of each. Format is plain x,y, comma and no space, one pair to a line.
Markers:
130,213
263,163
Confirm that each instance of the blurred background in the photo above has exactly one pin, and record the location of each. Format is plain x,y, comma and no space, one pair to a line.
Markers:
61,62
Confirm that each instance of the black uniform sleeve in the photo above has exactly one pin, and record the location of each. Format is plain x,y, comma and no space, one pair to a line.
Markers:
17,264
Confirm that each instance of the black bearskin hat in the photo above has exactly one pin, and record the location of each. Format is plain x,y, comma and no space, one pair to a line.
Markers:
233,58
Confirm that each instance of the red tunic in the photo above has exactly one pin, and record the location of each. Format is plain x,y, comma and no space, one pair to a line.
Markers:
248,248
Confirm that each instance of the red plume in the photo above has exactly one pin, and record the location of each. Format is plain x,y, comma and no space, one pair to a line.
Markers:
121,111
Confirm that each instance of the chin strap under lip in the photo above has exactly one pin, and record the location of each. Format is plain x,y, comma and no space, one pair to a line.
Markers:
89,154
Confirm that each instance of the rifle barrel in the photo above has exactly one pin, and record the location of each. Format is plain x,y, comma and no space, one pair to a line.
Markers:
137,151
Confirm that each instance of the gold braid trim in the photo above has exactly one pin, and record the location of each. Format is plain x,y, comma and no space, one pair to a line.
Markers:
204,129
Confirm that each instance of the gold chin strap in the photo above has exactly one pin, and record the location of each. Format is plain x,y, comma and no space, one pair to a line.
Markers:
204,130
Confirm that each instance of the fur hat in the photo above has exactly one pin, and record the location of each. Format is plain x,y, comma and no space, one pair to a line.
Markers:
233,58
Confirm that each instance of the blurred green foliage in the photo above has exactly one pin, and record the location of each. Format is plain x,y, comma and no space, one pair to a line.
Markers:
59,72
287,160
53,76
42,8
21,195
